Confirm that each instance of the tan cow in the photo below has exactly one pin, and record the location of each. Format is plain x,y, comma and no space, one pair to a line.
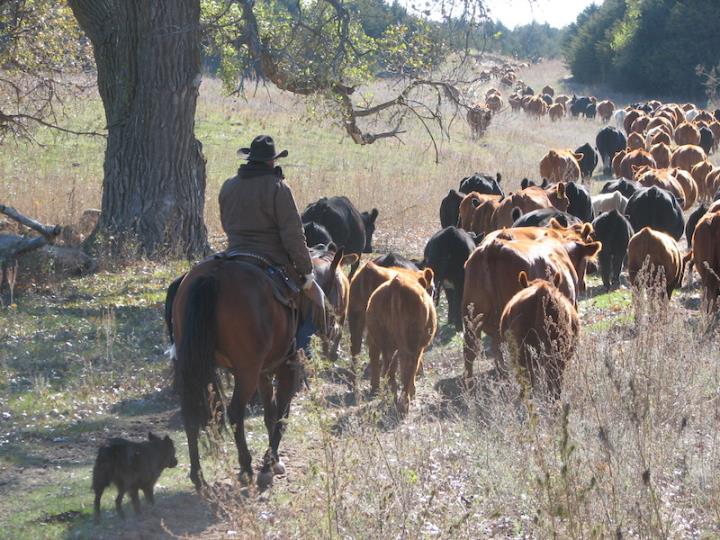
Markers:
687,133
659,251
479,118
705,255
661,154
401,323
541,327
635,141
687,156
605,110
560,166
556,112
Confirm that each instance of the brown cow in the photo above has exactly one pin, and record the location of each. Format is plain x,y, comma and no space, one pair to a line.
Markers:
700,172
541,327
705,256
662,123
479,118
556,112
489,284
630,117
515,102
660,136
662,178
635,158
687,156
661,251
605,110
527,200
617,161
704,116
640,124
494,102
560,166
365,281
687,133
401,323
492,92
688,184
482,216
714,126
535,106
635,141
468,205
661,154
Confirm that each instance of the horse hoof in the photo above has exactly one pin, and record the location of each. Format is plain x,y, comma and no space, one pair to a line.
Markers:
264,480
278,468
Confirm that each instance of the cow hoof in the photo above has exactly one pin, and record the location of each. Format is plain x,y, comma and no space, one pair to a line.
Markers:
264,480
278,468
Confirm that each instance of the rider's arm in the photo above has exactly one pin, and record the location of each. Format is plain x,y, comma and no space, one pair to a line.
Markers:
291,229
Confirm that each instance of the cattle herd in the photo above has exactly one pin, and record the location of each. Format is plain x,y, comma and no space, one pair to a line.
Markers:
512,265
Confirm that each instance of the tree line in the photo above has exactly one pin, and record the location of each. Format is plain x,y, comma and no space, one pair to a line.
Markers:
657,47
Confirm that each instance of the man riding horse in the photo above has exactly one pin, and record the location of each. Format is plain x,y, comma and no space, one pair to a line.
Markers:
226,313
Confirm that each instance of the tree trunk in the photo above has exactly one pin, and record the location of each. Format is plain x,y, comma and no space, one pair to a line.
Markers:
147,54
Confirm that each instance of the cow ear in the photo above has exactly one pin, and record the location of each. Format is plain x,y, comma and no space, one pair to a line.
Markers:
579,157
545,183
560,189
587,230
478,237
152,437
555,224
428,275
523,279
374,214
498,177
591,249
475,203
516,213
557,279
524,183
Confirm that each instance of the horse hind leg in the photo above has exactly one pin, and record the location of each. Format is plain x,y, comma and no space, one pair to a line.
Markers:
272,465
241,395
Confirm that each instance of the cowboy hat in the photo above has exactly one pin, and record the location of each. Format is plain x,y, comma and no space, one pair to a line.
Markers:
261,149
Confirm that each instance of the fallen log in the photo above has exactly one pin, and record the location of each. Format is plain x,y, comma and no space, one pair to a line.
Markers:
45,230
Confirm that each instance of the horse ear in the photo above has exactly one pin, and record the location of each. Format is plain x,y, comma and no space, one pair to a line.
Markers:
523,279
557,279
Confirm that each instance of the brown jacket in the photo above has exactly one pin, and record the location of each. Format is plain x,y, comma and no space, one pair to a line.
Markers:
259,215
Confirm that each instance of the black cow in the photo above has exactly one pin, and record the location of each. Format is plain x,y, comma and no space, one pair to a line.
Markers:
579,105
482,183
623,185
589,160
316,234
348,228
394,260
580,202
717,115
656,208
692,222
542,218
526,183
450,209
590,110
707,139
528,91
614,231
446,253
548,99
609,141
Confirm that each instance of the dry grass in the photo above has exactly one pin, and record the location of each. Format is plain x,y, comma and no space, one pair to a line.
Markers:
630,451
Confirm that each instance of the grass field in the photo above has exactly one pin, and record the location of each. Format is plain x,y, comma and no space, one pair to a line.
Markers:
634,453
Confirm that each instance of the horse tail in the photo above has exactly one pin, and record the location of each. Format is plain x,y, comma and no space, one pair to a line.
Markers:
196,380
169,299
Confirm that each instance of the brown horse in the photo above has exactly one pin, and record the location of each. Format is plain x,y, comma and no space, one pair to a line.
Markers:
224,314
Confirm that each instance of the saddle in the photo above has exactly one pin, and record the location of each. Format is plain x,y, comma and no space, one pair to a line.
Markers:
284,289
